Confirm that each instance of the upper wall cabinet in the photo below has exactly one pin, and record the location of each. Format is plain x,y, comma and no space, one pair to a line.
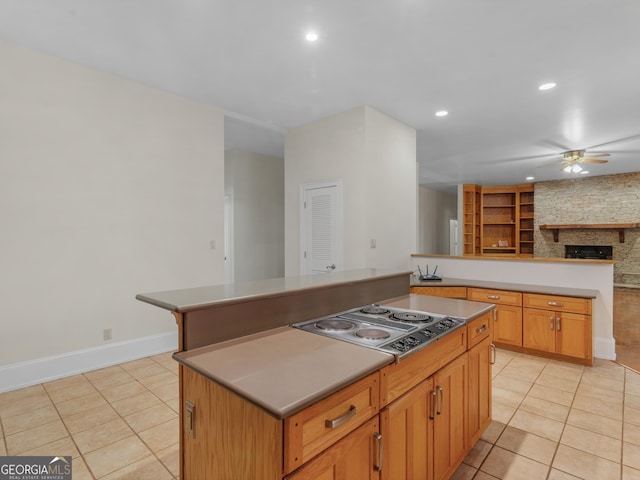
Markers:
498,221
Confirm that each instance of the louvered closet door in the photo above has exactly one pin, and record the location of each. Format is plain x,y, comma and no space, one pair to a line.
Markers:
321,230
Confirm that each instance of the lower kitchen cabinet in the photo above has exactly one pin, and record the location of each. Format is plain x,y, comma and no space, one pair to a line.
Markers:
449,425
563,333
424,431
558,325
358,456
406,427
508,316
480,374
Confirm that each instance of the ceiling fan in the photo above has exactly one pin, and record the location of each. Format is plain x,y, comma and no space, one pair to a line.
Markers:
571,160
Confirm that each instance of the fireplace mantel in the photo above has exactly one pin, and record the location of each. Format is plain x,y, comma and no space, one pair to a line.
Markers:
621,227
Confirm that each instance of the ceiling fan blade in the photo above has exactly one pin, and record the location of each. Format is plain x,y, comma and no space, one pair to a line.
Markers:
620,140
520,159
597,155
592,160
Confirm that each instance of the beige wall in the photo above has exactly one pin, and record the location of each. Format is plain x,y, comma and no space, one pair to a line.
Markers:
375,157
255,183
435,209
108,188
602,199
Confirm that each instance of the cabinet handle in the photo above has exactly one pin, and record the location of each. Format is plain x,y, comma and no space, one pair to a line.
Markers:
434,405
495,315
481,329
558,323
378,438
340,420
439,409
189,421
551,323
555,304
493,297
493,354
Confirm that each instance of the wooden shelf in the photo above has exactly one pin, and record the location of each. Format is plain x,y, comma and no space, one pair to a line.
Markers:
621,227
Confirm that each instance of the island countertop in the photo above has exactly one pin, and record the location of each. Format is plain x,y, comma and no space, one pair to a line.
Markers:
189,299
284,370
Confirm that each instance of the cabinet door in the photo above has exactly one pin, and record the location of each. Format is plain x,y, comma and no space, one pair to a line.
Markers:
539,330
508,325
573,335
479,389
450,425
408,435
355,457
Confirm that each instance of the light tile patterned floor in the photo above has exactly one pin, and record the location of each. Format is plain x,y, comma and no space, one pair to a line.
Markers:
119,423
552,420
558,421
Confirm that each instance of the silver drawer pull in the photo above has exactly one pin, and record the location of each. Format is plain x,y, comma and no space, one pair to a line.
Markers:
481,329
494,297
378,437
189,421
555,304
340,420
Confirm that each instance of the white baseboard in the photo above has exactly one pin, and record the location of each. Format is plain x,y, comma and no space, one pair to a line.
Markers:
54,367
605,348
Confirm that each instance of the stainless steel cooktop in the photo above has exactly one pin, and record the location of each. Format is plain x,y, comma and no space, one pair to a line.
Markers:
394,330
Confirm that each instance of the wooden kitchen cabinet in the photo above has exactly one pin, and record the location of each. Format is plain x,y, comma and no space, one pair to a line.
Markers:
407,430
507,328
450,424
558,325
425,430
480,375
355,457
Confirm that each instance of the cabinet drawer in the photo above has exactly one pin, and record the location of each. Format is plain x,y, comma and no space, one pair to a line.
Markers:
558,303
501,297
479,328
315,428
448,292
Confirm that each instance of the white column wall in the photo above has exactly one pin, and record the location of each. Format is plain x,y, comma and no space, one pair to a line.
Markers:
375,156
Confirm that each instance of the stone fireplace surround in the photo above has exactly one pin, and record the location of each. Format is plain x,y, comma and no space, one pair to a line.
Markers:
592,200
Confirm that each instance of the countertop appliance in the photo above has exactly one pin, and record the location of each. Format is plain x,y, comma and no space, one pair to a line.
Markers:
394,330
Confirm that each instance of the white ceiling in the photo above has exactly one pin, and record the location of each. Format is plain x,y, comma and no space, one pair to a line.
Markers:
482,60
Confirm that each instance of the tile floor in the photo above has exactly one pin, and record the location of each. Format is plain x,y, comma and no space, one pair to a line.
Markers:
557,421
119,422
552,420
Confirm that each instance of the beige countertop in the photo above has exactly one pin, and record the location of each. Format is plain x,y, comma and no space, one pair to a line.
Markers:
285,369
187,299
519,287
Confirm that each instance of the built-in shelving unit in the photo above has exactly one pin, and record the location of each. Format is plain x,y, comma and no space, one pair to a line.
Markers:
472,199
498,221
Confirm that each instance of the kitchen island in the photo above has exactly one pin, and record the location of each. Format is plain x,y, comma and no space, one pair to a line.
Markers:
286,403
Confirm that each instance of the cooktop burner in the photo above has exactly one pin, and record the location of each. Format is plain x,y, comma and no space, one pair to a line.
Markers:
399,331
411,317
335,324
373,333
375,310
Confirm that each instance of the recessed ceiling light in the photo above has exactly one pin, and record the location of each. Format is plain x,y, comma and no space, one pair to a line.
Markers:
547,86
442,113
530,178
311,36
584,172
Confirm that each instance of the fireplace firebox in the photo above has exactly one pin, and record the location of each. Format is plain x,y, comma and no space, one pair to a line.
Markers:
594,252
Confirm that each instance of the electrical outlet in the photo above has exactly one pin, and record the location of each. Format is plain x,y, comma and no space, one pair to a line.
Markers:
373,243
107,334
212,244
